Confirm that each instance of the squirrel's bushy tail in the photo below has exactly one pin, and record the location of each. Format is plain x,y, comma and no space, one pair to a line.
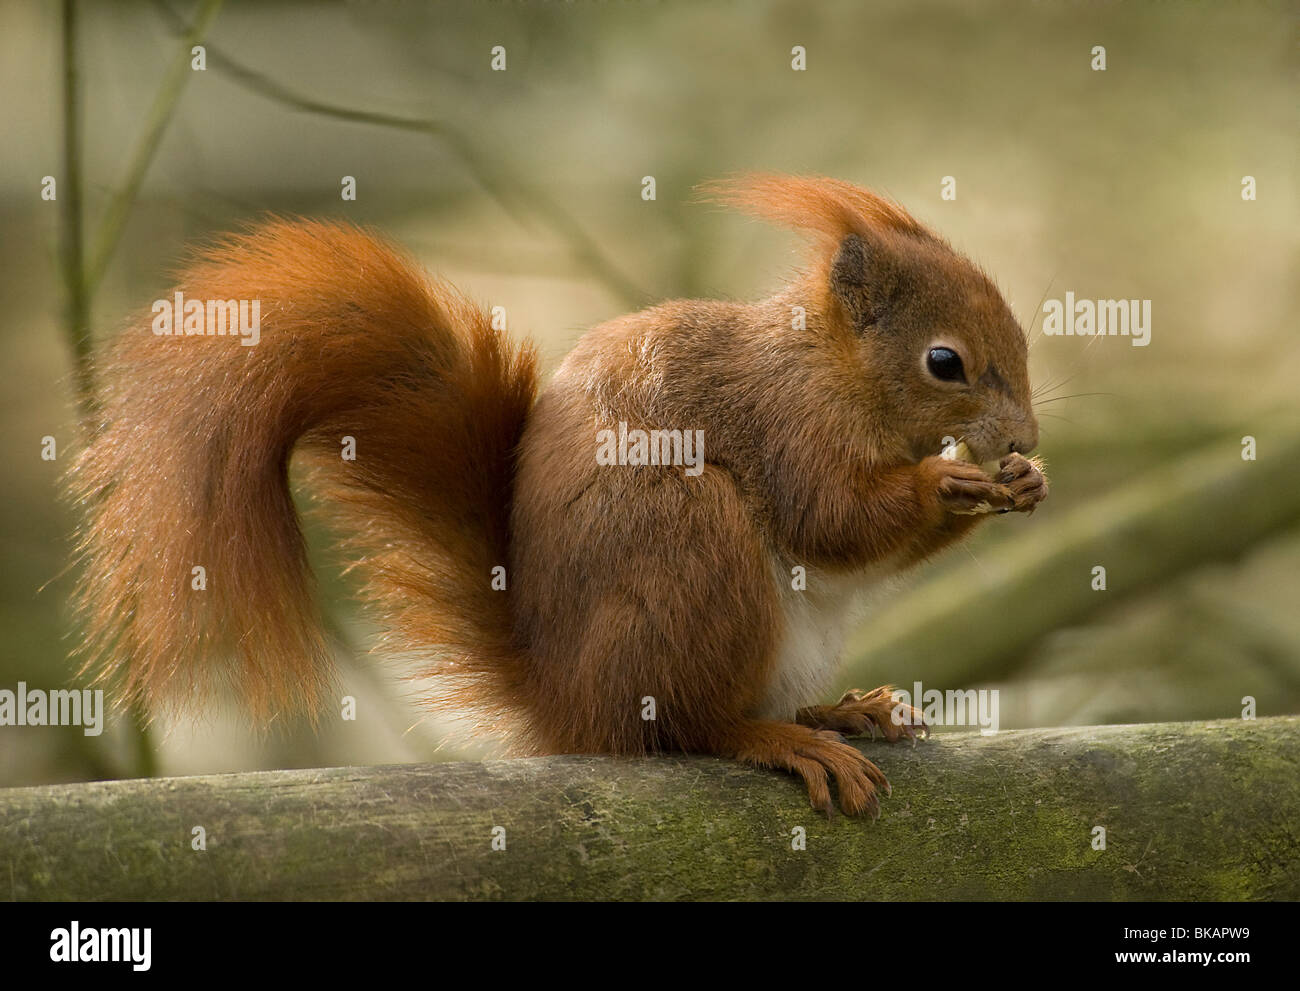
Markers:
188,468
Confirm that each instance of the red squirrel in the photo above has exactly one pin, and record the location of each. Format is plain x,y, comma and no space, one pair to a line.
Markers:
642,607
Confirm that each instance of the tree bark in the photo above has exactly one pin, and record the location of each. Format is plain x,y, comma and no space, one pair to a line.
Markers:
1194,811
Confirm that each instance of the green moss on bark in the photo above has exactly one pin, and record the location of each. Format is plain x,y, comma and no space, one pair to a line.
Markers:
1193,811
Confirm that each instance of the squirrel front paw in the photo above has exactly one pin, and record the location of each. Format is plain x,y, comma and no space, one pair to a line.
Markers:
860,713
1024,477
965,489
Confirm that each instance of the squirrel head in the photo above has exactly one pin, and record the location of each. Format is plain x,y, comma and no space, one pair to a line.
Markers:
938,346
934,350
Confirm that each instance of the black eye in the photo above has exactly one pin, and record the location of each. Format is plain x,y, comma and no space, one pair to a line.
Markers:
945,364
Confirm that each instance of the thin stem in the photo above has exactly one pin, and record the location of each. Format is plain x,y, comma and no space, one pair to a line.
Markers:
519,200
119,206
77,319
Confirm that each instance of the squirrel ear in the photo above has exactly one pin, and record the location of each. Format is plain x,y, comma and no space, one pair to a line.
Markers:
861,280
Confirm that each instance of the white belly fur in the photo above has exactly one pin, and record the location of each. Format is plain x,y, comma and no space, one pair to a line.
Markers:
814,623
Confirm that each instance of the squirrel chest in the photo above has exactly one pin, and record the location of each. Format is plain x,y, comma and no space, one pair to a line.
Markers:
815,611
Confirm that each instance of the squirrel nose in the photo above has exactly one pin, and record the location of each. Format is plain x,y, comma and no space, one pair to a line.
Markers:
1026,442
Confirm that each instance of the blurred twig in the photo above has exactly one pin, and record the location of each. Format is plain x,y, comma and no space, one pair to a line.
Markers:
78,314
521,201
164,104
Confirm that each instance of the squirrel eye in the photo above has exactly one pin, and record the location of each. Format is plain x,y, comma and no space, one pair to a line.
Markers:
945,364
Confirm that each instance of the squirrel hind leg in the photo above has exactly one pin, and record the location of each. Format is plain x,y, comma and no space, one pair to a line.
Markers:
816,756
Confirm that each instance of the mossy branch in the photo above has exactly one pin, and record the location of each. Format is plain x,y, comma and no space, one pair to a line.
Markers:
1191,811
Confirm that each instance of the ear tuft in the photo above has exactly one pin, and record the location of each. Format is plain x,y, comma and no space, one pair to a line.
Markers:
829,209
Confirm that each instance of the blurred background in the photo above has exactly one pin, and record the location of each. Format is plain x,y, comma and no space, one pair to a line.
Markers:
523,186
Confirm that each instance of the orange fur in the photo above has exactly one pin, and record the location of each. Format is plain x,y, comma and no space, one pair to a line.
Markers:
625,584
189,467
829,209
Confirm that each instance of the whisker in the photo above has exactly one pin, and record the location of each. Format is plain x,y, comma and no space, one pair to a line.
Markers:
1073,395
1062,383
978,563
1033,339
1056,382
